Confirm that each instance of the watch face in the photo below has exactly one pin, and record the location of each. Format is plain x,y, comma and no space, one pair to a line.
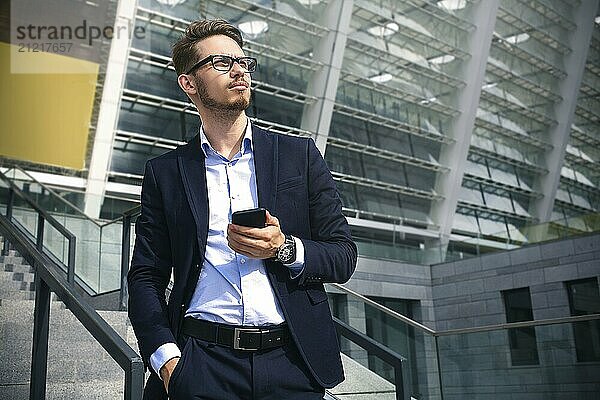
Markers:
285,253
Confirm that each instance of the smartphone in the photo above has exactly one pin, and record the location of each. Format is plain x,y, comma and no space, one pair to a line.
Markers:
254,218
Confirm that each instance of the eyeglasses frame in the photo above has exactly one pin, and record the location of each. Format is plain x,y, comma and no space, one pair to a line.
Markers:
211,57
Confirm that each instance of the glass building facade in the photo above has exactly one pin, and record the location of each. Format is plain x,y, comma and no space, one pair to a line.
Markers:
439,120
449,126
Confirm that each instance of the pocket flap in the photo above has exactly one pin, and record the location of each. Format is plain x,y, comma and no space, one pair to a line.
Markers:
316,295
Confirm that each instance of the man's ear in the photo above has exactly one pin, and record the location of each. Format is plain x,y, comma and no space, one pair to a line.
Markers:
186,84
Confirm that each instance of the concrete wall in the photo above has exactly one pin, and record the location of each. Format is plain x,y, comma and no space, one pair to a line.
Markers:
468,293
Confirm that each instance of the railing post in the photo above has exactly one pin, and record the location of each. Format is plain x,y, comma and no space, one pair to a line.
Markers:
9,207
134,381
439,366
399,380
41,323
39,239
125,245
71,261
39,357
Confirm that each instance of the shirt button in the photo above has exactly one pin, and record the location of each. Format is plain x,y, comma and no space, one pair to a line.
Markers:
243,261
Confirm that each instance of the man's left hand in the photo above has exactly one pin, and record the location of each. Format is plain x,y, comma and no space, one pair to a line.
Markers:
258,243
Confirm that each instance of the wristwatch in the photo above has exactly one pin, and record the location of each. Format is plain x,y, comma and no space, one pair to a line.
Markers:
286,253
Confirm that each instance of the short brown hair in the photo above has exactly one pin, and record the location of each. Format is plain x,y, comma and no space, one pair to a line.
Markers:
184,50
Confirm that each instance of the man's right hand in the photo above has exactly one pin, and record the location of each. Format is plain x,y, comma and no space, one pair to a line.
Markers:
166,371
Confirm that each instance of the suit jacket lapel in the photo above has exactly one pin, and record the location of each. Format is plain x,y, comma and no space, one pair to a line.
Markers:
265,165
193,174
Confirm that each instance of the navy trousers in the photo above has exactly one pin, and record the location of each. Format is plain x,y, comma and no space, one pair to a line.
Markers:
212,372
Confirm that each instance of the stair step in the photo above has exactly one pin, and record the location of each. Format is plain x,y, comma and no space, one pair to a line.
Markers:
93,390
12,258
12,267
78,367
14,292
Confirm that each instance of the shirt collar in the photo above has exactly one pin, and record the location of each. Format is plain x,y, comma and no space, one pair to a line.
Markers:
247,144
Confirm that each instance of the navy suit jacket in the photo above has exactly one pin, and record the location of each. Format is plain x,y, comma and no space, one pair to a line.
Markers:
294,184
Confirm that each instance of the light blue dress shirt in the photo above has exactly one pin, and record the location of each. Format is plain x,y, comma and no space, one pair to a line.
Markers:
232,288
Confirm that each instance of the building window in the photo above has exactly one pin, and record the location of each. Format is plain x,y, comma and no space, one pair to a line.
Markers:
522,341
584,299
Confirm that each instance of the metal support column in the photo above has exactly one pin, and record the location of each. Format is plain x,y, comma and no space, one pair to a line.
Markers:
316,117
574,63
109,110
454,155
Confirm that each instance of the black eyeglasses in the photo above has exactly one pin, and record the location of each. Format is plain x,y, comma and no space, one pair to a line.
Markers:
224,63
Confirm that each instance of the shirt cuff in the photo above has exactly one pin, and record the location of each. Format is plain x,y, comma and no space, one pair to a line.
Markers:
163,354
297,266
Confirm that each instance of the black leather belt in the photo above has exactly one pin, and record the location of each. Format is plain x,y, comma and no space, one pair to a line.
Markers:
237,337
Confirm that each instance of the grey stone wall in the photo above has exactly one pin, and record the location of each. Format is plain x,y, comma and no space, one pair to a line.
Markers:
468,293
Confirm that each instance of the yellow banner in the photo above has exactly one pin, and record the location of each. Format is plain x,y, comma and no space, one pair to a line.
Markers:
45,118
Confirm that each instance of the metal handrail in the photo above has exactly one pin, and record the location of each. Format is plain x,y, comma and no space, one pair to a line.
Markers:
388,311
129,214
459,331
78,211
384,353
49,278
53,193
13,190
522,324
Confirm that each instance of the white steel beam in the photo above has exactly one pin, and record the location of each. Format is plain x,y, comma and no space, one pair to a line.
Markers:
316,116
109,109
568,89
454,155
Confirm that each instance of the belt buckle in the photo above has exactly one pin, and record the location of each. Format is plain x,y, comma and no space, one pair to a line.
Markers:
236,338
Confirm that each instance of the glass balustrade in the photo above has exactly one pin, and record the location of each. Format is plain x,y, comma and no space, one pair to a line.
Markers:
98,244
489,364
545,359
417,346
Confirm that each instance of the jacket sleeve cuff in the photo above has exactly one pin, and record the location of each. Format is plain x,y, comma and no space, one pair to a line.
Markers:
297,267
163,354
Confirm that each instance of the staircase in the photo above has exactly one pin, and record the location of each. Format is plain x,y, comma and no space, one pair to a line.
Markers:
78,367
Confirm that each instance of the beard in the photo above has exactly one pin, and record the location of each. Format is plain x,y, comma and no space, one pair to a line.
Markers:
240,103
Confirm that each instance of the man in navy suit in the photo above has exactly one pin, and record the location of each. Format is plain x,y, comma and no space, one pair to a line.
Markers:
247,317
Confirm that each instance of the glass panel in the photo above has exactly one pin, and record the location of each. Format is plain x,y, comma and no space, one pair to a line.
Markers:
491,227
25,216
471,195
498,202
56,245
504,177
476,169
563,195
478,366
110,257
87,255
465,223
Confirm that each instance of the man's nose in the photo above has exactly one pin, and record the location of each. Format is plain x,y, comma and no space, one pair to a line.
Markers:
236,70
